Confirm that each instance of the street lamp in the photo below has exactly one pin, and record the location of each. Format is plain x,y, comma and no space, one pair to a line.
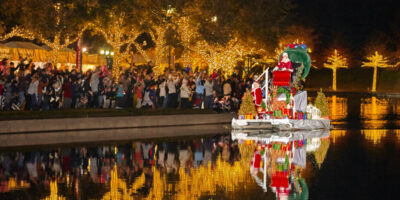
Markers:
112,53
214,19
107,53
102,52
84,49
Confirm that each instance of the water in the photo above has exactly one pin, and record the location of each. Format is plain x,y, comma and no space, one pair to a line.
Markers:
359,159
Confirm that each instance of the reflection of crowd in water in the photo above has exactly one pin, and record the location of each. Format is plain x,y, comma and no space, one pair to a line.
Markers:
133,159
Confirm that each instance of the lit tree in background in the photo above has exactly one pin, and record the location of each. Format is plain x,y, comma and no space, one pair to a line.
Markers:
120,25
335,61
57,24
158,37
118,33
188,32
376,60
15,32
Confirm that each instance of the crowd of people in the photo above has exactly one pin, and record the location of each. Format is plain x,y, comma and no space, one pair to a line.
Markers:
24,86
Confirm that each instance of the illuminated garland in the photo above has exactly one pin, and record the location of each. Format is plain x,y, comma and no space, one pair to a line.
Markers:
18,32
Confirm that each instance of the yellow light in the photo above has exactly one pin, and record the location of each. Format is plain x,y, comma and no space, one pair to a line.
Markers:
84,49
214,19
107,52
376,60
102,52
112,53
335,61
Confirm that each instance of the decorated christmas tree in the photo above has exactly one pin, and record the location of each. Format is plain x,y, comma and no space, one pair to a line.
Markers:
322,103
247,106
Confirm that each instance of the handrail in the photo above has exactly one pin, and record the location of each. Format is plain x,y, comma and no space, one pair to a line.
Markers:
261,75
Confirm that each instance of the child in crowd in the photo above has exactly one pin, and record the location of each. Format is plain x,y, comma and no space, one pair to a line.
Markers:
120,96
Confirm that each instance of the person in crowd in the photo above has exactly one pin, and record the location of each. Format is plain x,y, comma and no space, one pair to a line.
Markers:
172,83
120,96
1,92
139,92
162,92
33,92
208,88
67,88
199,92
185,94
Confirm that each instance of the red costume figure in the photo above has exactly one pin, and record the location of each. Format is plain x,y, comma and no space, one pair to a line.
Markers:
285,62
257,94
255,163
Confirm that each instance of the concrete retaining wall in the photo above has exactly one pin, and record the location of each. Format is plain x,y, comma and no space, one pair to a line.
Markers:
75,124
108,135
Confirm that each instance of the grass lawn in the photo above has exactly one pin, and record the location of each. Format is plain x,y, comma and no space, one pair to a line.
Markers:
84,113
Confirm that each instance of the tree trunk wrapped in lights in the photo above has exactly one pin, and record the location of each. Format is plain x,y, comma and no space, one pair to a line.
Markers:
376,60
158,37
335,61
118,33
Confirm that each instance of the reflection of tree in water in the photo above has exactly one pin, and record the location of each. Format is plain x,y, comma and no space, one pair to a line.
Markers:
214,165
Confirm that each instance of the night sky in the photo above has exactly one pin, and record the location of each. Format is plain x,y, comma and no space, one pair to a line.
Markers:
355,20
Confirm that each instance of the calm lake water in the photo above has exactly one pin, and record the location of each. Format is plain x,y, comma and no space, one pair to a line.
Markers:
359,159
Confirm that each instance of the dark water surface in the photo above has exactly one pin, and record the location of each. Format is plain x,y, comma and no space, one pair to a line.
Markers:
359,159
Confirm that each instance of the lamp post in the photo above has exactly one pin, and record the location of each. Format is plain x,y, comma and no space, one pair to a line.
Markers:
109,57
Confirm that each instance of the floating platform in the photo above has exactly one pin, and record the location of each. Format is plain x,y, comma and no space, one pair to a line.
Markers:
281,124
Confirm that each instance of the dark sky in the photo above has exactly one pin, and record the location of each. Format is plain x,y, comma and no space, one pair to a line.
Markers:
356,20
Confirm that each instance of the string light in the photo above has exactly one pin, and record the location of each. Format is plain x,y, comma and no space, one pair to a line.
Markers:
119,34
18,32
376,60
335,61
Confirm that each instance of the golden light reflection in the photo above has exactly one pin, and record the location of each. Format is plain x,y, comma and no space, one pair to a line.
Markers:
397,132
374,135
372,109
321,152
119,189
337,107
335,134
204,180
54,192
14,185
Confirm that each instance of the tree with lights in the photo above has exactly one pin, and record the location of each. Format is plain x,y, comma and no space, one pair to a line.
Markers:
335,61
322,103
120,25
376,61
247,106
57,25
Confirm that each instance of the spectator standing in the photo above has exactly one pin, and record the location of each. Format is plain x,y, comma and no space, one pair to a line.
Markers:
208,86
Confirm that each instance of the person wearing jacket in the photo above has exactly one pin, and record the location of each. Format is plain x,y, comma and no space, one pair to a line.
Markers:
185,94
199,92
208,86
172,95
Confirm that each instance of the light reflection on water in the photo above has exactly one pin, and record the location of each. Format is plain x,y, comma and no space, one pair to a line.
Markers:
366,137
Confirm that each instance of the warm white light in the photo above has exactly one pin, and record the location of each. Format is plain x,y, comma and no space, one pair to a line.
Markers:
102,52
170,10
107,52
112,53
84,49
214,19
